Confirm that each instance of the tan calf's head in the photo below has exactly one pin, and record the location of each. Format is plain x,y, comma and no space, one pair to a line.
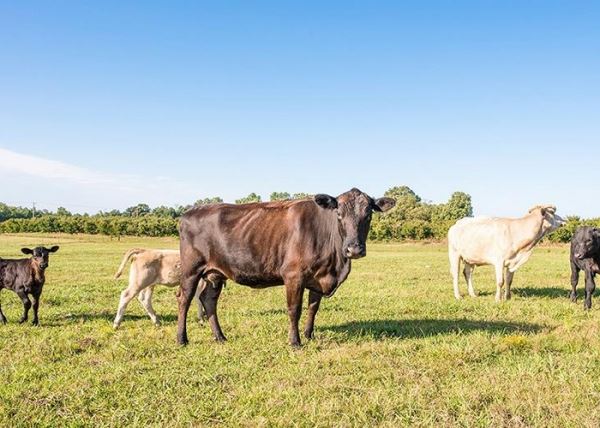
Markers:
551,220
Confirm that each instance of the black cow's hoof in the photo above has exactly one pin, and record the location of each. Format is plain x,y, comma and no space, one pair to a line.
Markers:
3,320
220,339
22,320
309,335
182,341
35,323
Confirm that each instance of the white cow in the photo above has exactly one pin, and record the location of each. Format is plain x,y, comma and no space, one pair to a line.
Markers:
504,243
148,268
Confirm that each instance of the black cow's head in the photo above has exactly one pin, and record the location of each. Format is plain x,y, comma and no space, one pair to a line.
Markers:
586,243
354,210
40,254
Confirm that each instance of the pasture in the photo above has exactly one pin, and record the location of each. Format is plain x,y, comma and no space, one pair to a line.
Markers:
393,348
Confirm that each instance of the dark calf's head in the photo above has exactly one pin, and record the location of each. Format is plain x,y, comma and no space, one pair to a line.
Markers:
40,255
354,209
587,243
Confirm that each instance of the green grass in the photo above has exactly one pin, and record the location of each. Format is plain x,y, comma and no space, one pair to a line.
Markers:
392,348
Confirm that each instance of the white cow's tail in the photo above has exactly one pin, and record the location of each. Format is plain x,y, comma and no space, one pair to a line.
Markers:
126,258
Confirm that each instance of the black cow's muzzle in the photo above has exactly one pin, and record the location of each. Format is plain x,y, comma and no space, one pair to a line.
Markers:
43,265
356,251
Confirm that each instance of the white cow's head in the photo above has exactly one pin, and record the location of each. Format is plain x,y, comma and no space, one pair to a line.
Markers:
551,221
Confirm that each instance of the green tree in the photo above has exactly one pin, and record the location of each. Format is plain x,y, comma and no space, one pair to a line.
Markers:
458,206
63,211
207,201
137,210
301,196
164,211
280,196
252,197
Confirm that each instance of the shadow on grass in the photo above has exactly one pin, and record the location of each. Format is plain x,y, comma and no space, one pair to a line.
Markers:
418,328
551,292
108,317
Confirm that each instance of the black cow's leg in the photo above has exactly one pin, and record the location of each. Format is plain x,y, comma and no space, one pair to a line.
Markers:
574,280
185,294
209,298
26,306
2,317
590,286
36,305
294,294
314,301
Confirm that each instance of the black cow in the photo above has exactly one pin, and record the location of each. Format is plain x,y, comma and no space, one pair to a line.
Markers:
304,244
26,277
585,255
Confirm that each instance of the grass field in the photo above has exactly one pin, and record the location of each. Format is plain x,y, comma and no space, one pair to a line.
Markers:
392,348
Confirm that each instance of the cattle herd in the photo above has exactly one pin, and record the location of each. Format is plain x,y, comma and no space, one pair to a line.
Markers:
305,244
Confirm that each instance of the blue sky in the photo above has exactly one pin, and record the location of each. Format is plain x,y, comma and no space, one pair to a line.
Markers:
107,104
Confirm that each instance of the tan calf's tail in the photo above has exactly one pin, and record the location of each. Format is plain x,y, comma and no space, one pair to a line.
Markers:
126,258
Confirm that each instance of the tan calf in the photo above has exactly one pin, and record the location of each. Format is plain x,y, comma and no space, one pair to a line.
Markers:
148,268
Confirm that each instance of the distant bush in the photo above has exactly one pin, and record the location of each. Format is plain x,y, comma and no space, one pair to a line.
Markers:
565,233
414,219
411,218
147,225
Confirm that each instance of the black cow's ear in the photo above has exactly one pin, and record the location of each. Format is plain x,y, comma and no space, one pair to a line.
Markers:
326,201
596,233
26,250
53,249
384,204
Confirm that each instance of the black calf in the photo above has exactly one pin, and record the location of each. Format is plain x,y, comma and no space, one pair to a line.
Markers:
26,277
585,255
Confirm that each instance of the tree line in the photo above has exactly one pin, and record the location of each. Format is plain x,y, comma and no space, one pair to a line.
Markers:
411,219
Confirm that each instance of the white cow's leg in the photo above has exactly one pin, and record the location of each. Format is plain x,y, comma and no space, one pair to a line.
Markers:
468,271
499,281
145,298
508,279
455,271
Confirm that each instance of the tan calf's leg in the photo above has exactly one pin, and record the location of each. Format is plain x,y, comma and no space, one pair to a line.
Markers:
145,298
136,285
